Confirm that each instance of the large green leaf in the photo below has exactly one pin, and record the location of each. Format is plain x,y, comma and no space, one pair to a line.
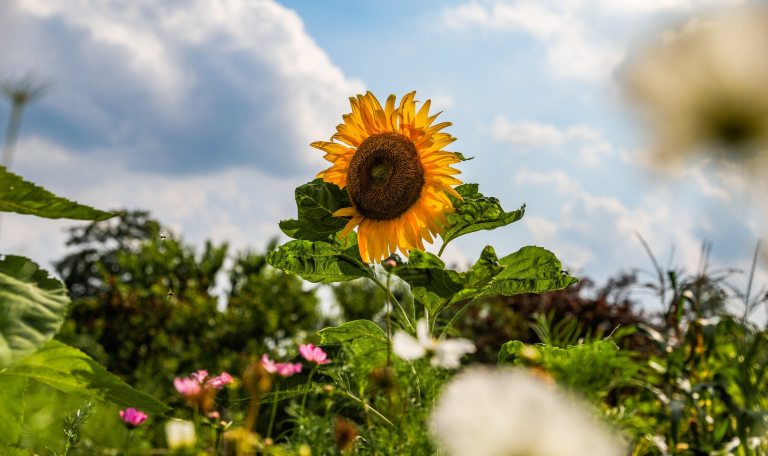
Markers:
12,391
431,284
529,270
363,340
475,212
24,197
316,202
351,330
321,262
71,371
32,308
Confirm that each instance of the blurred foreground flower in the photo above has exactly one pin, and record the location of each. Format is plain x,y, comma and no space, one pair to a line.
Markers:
704,87
281,369
199,390
392,163
313,354
502,413
180,434
445,353
133,417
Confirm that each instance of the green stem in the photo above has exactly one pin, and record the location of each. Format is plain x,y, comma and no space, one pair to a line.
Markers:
389,328
309,383
273,413
394,299
366,407
455,317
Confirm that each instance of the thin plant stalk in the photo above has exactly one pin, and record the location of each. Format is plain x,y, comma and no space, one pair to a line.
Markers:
273,413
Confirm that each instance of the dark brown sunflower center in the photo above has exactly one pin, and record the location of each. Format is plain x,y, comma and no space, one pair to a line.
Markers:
385,176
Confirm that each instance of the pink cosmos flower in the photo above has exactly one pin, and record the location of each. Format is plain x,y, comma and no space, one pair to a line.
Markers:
188,387
219,382
313,354
281,369
133,417
199,376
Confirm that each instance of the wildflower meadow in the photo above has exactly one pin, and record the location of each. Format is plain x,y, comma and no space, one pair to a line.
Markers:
352,334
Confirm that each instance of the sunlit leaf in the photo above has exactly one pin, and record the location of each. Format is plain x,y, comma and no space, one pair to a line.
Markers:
363,340
475,212
24,197
12,391
71,371
32,308
529,270
320,262
316,202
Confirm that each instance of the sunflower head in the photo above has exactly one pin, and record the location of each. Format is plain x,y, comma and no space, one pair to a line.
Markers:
397,175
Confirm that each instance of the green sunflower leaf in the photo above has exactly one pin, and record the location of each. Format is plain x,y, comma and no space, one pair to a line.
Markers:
316,202
320,262
431,284
363,340
529,270
71,371
32,308
12,390
24,197
475,212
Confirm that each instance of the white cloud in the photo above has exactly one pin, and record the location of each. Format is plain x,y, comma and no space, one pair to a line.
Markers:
180,86
596,230
592,148
239,206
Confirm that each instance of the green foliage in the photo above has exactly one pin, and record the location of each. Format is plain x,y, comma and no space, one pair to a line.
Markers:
24,197
147,312
475,212
71,371
12,391
320,262
593,368
33,308
529,270
431,284
316,202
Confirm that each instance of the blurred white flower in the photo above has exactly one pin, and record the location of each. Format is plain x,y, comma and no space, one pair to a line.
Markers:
704,87
180,434
501,413
445,353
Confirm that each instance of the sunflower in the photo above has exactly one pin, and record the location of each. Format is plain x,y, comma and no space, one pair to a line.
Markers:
397,175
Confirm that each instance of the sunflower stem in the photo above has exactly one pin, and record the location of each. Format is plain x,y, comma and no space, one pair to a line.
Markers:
455,317
394,299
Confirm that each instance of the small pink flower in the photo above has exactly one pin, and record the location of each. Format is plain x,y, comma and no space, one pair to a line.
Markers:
214,415
133,417
188,387
199,376
220,382
281,369
313,354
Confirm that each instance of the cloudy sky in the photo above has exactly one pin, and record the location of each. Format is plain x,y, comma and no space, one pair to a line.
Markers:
202,111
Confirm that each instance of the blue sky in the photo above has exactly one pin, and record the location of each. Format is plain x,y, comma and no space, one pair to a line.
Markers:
202,112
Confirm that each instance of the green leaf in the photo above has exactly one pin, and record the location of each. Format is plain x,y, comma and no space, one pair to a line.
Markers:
24,197
32,308
71,371
529,270
320,262
510,349
12,391
351,330
316,202
475,212
364,341
431,284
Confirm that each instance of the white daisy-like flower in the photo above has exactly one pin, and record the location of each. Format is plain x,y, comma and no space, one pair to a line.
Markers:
704,87
445,353
484,412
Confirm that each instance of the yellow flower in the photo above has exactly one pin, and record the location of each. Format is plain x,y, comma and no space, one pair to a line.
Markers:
397,175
